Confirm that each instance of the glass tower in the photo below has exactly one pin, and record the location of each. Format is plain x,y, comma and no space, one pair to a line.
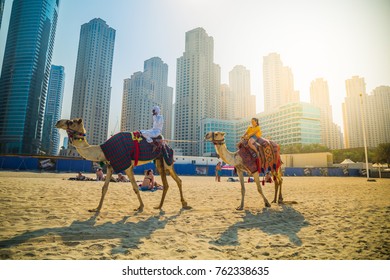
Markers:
55,92
25,74
92,83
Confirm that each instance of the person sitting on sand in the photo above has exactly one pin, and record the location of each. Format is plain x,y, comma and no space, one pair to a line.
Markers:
122,178
268,178
99,175
148,181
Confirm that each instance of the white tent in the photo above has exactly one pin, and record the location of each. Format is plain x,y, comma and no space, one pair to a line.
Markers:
347,161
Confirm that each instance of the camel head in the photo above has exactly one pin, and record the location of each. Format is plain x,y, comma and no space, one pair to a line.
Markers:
74,128
217,137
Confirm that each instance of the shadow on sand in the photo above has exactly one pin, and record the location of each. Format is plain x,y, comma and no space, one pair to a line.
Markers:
286,222
129,233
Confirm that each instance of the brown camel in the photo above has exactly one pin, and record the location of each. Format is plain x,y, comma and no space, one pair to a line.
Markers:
77,138
218,139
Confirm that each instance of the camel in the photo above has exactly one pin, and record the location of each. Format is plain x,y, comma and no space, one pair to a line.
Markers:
77,138
218,139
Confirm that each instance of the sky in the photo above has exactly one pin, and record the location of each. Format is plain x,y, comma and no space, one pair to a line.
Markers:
329,39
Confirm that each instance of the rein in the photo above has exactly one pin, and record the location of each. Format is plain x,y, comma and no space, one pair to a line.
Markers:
217,142
75,135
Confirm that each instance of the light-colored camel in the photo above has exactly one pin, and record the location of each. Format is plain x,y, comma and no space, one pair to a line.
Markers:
218,139
77,135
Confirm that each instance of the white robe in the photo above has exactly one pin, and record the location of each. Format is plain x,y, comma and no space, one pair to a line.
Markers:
158,122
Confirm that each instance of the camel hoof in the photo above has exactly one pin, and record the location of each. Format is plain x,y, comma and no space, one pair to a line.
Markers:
239,208
157,207
93,210
267,204
186,207
139,209
273,201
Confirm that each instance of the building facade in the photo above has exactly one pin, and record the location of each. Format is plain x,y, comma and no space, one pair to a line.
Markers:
92,83
143,91
380,105
278,83
293,123
157,72
53,109
373,109
243,102
197,90
319,97
2,2
232,136
25,74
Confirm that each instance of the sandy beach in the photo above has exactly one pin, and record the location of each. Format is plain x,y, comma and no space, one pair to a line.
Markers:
45,216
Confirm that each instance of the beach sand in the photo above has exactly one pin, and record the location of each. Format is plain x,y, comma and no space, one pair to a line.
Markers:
44,216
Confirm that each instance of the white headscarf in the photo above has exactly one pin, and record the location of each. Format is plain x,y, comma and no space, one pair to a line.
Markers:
156,109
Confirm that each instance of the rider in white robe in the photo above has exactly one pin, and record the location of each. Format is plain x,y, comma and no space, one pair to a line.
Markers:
158,122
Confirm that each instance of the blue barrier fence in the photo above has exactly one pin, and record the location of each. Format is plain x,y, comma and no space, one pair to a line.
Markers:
59,164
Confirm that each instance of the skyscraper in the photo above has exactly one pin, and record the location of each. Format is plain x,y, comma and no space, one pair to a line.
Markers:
157,72
92,83
55,92
144,90
374,109
353,111
278,83
380,107
240,86
25,74
319,97
226,103
197,90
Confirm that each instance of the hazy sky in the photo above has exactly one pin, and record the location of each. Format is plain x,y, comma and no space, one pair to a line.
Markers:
332,39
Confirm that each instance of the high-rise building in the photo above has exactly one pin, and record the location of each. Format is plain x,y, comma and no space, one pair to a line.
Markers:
354,111
226,107
143,91
380,110
330,132
92,83
25,74
240,86
55,92
373,109
278,83
197,90
157,72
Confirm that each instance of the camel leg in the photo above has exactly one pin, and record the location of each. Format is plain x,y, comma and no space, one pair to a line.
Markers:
130,174
280,180
260,189
276,184
175,177
241,176
104,189
161,170
278,198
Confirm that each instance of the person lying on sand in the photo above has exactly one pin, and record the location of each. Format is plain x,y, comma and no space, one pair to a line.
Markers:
81,177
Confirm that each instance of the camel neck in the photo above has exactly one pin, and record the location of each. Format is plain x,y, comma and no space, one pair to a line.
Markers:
225,154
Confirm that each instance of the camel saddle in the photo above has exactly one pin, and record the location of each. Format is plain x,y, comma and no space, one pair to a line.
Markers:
269,153
124,147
